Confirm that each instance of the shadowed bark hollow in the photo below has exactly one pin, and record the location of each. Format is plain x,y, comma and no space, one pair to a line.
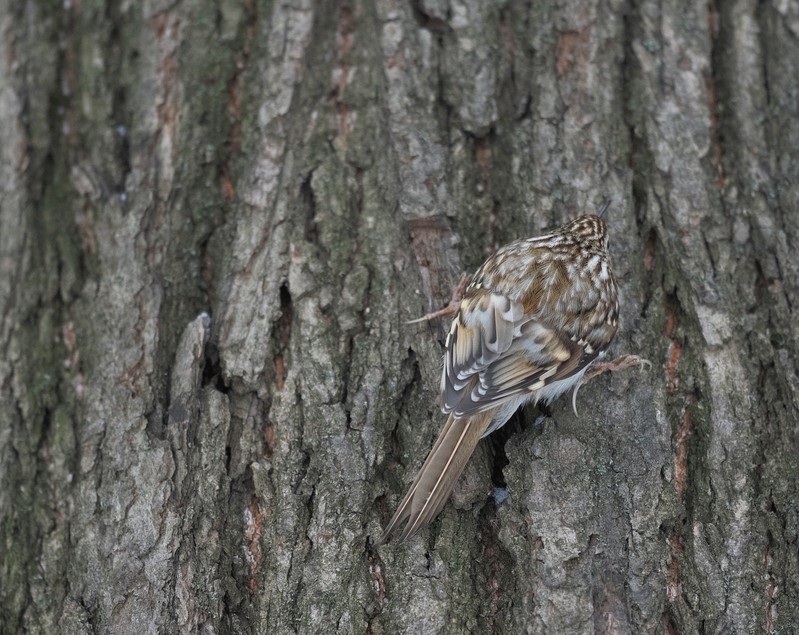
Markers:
215,220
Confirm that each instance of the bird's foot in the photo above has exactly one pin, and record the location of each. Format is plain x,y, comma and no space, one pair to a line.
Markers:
597,368
451,308
620,363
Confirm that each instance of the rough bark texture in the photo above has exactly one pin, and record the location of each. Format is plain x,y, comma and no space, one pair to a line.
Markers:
312,174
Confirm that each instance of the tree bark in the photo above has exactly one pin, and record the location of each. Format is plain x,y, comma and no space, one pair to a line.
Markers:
215,220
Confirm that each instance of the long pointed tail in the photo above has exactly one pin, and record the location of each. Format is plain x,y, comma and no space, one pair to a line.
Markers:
434,482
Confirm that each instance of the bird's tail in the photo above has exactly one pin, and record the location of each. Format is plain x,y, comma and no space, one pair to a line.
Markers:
434,482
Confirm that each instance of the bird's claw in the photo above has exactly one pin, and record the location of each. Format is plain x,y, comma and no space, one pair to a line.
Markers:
451,308
620,363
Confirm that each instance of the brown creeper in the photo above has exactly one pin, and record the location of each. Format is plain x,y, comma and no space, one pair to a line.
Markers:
532,319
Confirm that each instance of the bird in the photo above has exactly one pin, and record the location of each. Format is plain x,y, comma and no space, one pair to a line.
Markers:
531,321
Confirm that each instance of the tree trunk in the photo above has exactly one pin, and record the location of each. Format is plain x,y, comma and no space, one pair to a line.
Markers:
215,220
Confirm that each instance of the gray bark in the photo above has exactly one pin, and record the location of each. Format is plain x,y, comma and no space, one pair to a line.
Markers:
215,220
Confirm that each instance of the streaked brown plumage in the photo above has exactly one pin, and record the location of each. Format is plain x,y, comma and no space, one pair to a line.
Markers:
532,319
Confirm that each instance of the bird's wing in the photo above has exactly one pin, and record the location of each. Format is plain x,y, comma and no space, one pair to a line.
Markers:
494,352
